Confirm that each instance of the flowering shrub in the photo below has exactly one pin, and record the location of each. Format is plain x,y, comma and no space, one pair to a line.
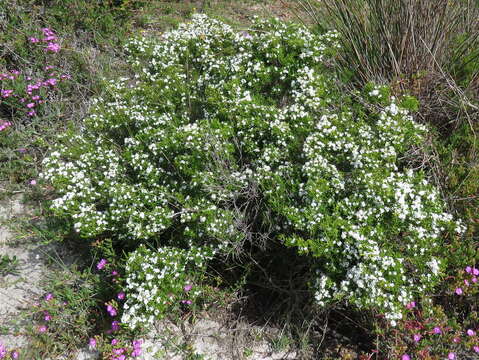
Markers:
224,139
157,282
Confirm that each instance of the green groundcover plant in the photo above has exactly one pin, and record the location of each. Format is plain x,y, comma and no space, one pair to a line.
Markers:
226,140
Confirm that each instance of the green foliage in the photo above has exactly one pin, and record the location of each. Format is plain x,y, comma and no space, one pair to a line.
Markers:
225,140
8,265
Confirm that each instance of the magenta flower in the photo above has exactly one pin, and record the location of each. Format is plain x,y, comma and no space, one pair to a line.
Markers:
101,264
48,296
33,40
187,288
53,47
470,332
111,310
42,329
475,271
466,282
451,356
468,269
114,342
5,125
458,291
14,354
3,351
114,273
121,295
405,357
31,113
456,340
437,330
115,325
119,351
476,348
474,279
47,316
33,182
417,337
6,93
92,343
35,98
136,352
411,305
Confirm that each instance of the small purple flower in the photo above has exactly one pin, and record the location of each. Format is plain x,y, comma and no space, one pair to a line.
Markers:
411,305
53,47
417,337
47,316
466,282
114,342
475,271
111,310
437,330
14,354
3,351
476,348
458,291
468,269
136,352
30,105
115,325
119,351
405,357
92,343
451,356
188,287
474,279
470,332
101,264
121,295
48,296
33,182
114,273
42,329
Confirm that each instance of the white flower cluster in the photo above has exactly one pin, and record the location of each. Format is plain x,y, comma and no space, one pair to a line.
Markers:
159,281
219,132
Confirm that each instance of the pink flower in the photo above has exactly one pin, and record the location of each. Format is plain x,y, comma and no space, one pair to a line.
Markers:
451,356
48,296
119,351
114,273
51,82
111,310
417,337
437,330
475,271
35,98
101,264
187,288
6,93
474,280
92,343
33,40
468,269
470,332
137,343
53,47
136,352
33,182
31,113
47,316
405,357
14,354
476,348
456,340
5,125
466,282
121,295
114,342
3,351
42,329
411,305
115,325
458,291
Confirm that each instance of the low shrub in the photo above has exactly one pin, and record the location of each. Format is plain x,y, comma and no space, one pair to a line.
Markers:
232,143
